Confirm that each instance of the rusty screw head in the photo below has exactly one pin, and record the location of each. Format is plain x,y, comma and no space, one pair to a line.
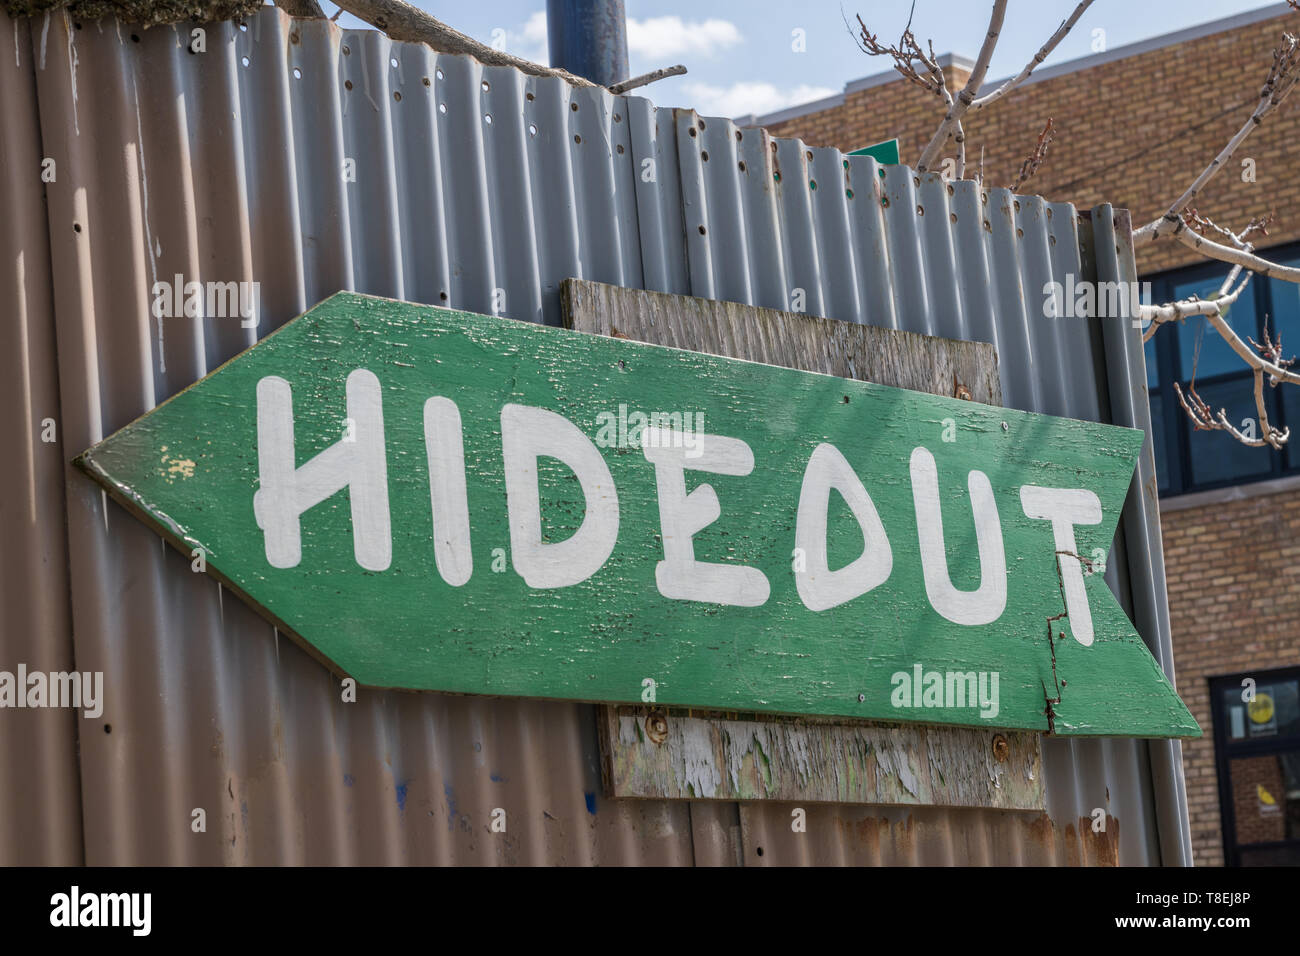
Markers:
656,728
1001,749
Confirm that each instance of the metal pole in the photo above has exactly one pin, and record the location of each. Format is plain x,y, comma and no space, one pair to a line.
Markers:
588,38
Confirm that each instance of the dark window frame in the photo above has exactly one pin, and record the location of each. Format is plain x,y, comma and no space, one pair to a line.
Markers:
1172,422
1225,750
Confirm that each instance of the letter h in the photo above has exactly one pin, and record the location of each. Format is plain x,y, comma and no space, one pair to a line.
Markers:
359,465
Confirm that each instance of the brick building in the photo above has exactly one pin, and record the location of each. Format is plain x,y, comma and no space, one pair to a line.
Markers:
1135,125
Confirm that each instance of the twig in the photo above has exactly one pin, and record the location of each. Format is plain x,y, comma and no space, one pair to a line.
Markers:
1035,158
1204,418
643,79
960,139
1272,350
906,54
1202,224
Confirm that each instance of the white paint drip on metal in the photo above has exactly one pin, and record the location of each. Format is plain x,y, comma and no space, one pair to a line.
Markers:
72,68
150,242
365,77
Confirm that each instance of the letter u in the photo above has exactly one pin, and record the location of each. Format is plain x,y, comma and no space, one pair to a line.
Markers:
985,604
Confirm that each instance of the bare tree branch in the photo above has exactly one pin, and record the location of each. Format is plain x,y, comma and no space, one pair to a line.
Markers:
1249,260
1202,224
1066,26
906,54
305,9
1272,350
1036,157
645,78
401,21
1202,416
1263,359
1206,419
1277,371
1159,315
1281,79
1181,221
960,139
967,95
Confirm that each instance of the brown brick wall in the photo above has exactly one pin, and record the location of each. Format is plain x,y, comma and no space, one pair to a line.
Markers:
1233,576
1133,132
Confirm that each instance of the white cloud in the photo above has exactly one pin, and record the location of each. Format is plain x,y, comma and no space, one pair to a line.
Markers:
528,42
742,98
659,38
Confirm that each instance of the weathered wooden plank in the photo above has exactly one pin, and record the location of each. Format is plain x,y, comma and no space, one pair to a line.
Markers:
922,363
436,500
651,754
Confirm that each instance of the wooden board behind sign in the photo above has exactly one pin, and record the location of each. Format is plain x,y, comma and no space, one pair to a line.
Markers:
659,755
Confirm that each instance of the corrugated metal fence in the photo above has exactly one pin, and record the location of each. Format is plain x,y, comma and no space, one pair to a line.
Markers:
310,160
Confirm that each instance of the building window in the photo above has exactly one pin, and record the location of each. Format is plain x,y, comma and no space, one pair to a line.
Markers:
1189,460
1257,753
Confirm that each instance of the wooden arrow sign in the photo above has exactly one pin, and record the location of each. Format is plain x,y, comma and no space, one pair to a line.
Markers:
436,500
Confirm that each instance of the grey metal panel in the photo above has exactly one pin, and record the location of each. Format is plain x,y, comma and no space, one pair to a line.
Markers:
1127,394
869,237
40,817
204,165
658,195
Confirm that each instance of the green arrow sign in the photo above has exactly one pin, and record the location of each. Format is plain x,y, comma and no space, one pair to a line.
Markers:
885,153
436,500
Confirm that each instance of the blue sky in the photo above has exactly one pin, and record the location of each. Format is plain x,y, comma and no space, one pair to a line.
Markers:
741,59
